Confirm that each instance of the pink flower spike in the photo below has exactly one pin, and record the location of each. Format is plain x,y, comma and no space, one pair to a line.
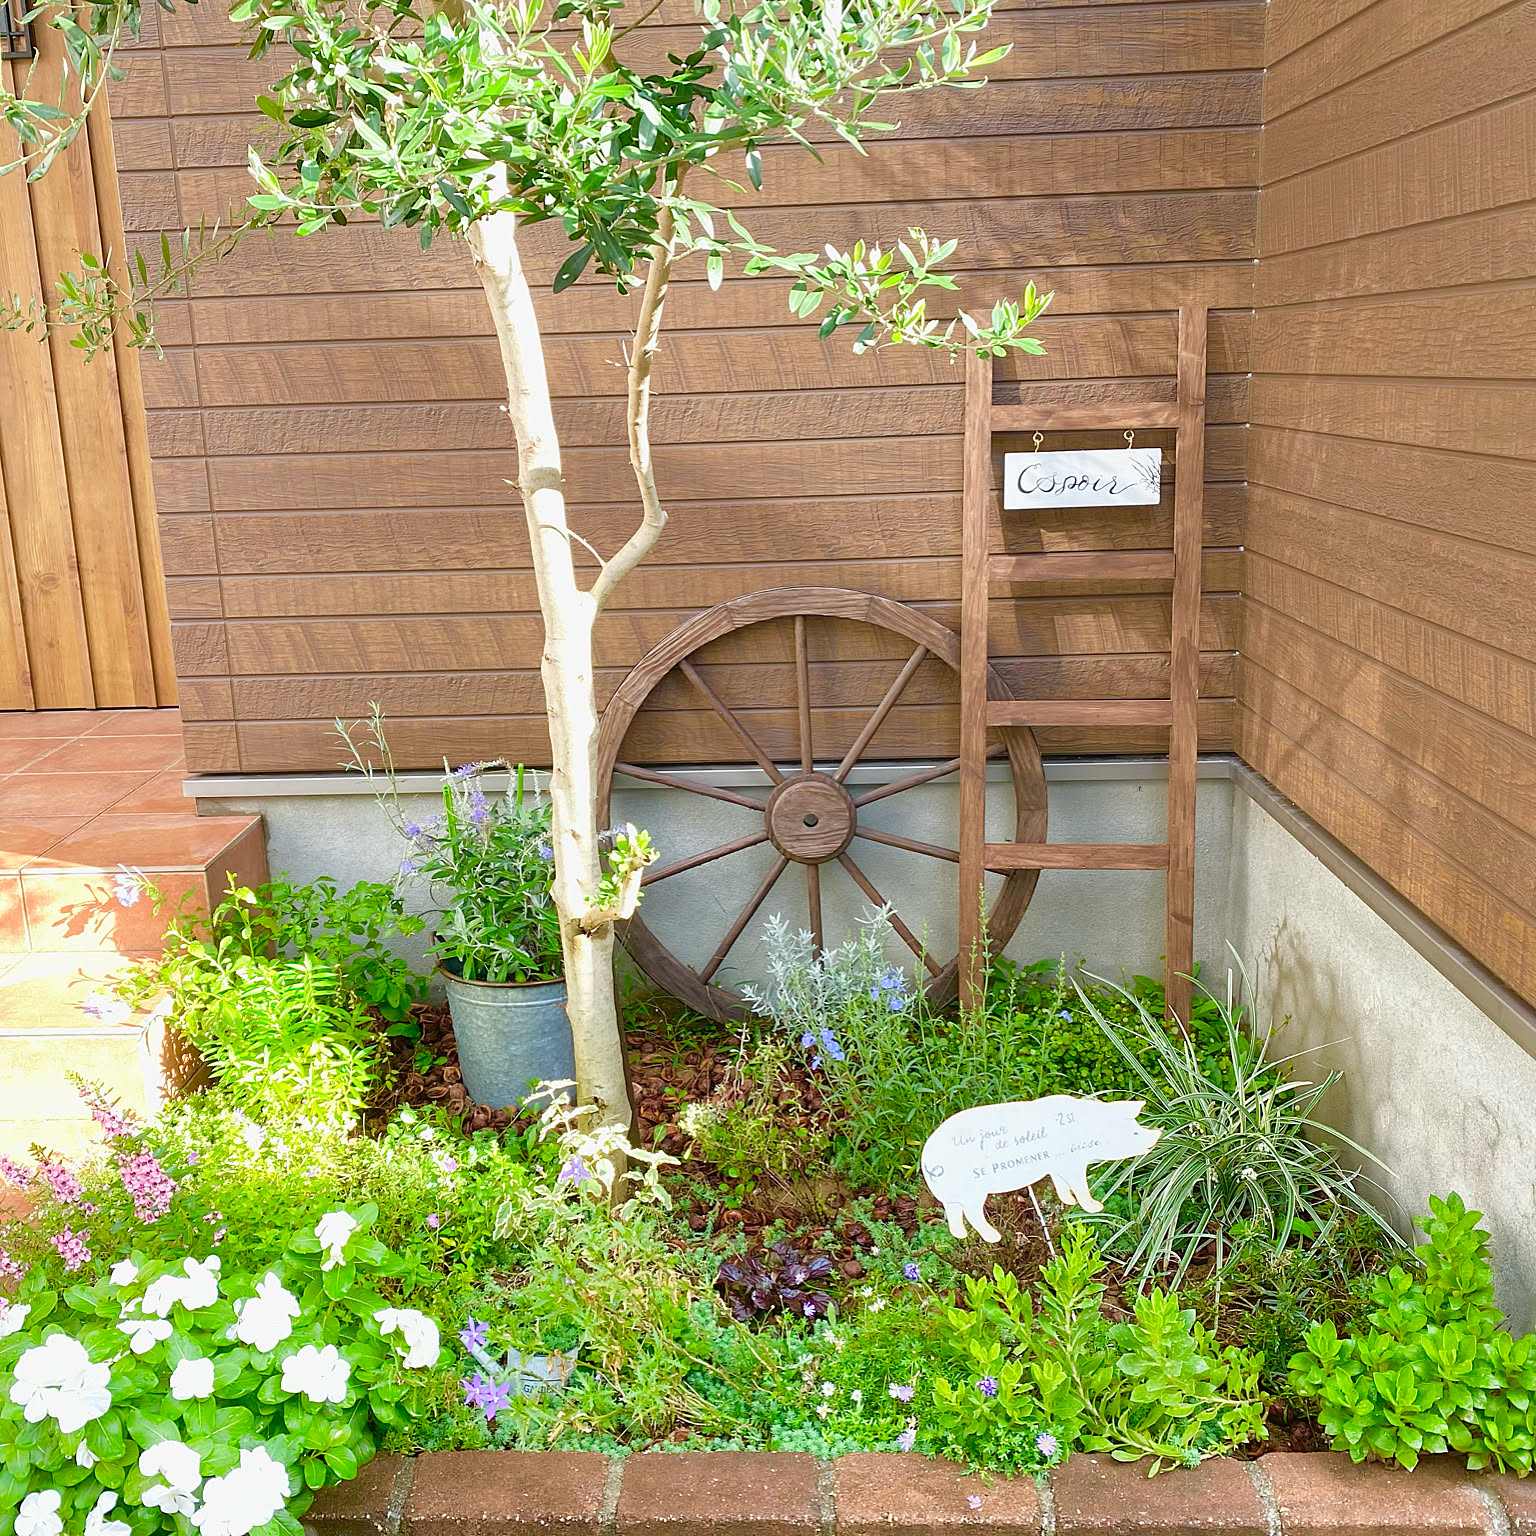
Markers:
65,1186
10,1269
14,1173
151,1187
71,1248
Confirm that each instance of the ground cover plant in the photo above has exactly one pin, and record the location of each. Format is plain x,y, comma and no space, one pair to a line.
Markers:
751,1270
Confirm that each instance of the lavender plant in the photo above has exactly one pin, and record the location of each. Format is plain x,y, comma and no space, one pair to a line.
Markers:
485,861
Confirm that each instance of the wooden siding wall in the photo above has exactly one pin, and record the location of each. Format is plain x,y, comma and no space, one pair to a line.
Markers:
331,456
83,621
1388,676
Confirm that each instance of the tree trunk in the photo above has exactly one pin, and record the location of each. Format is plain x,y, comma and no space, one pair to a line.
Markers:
566,668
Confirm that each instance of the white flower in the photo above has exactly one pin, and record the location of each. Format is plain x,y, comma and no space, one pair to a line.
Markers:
57,1380
196,1286
97,1524
828,1389
264,1320
235,1504
13,1317
857,1394
124,1272
878,1304
823,1409
144,1333
182,1469
252,1135
192,1379
106,1009
422,1342
85,1456
320,1374
39,1514
333,1231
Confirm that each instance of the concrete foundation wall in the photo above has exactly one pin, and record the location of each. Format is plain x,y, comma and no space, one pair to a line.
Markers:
1432,1085
1112,920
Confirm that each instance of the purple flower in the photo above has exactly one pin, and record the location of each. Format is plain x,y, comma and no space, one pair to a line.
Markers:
910,1271
128,885
407,866
807,1041
489,1396
575,1170
973,1500
467,769
545,852
901,1392
1047,1444
434,1221
815,1063
831,1047
474,1334
478,810
907,1438
411,829
987,1386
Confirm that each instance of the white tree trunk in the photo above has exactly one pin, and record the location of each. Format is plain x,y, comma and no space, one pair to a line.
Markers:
569,695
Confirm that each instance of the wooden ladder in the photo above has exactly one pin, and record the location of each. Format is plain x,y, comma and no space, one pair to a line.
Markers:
981,567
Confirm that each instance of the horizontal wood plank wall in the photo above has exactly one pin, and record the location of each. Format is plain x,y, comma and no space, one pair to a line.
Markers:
1388,674
331,457
83,618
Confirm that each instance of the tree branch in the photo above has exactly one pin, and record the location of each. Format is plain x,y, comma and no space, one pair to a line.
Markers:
637,417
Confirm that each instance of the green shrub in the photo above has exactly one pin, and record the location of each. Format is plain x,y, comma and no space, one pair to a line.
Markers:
1433,1369
165,1388
1236,1162
1042,1377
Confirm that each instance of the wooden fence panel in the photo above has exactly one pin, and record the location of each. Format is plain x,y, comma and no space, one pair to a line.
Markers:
83,620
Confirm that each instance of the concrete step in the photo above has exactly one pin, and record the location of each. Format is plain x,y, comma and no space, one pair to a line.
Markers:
46,1033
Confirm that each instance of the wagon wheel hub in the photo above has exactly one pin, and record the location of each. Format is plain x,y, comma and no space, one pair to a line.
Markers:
811,818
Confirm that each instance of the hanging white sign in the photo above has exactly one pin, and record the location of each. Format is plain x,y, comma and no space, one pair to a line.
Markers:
997,1147
1089,477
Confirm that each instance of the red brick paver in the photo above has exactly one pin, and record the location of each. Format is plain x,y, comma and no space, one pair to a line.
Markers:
1324,1493
888,1495
721,1493
496,1493
1097,1494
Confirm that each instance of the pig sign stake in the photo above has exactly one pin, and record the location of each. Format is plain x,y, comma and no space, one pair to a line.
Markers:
997,1147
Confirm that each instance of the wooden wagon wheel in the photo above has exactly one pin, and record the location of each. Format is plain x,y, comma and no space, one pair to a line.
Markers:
810,817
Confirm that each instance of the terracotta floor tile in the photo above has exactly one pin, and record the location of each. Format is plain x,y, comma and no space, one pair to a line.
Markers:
24,795
17,751
50,722
148,840
22,839
111,754
13,922
43,991
81,912
160,795
139,722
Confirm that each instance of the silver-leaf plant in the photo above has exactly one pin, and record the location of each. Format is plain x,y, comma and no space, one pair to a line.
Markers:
478,118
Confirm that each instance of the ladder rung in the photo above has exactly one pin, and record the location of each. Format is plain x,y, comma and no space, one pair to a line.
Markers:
1080,712
1098,565
1110,416
1076,856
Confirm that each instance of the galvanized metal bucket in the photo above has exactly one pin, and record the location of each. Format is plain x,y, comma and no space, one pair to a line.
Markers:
510,1034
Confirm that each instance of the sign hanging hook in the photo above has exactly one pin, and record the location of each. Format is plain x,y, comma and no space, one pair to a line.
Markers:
1130,439
1039,438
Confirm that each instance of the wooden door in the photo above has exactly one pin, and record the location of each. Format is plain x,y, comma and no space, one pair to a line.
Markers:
83,619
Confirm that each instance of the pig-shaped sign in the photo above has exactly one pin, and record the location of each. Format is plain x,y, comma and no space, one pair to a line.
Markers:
997,1147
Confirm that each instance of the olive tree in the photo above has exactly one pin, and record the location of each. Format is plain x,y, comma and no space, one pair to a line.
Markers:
476,119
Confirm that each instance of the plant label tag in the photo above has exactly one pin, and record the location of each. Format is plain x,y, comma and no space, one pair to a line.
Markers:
1088,477
997,1147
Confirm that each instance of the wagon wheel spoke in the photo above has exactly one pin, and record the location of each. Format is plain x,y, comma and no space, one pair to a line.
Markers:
892,840
867,885
813,901
753,903
803,694
899,786
882,709
721,708
676,781
708,856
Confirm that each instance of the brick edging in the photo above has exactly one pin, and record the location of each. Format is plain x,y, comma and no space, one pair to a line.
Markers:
739,1493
